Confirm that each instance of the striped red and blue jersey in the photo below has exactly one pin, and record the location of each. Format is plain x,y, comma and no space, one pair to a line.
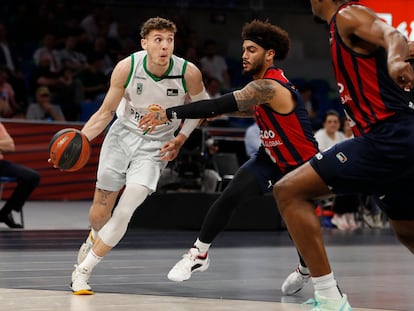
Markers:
287,138
367,92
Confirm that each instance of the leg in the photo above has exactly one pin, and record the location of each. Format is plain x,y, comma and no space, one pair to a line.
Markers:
27,181
99,214
114,229
293,195
101,209
110,231
243,186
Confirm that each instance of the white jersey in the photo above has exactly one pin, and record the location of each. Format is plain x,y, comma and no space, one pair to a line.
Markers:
145,93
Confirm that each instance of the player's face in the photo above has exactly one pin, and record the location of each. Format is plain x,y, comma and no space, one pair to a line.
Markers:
253,58
332,124
159,45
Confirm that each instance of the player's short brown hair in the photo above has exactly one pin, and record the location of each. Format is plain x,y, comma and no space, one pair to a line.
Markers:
157,23
268,36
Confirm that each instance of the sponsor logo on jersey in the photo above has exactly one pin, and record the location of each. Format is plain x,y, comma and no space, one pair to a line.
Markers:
139,88
154,108
172,92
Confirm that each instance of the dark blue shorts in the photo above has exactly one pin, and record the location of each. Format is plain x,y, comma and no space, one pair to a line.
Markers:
264,169
379,163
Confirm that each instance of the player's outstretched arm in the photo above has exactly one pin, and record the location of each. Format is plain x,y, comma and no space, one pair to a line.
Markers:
254,93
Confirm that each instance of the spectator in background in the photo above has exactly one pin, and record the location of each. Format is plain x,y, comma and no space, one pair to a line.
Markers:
94,80
100,46
90,23
43,108
329,134
69,95
213,87
27,179
9,107
214,65
9,59
48,50
252,141
43,76
71,57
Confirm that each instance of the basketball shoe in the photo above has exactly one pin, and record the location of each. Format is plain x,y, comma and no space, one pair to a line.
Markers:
85,248
80,282
294,282
321,303
192,261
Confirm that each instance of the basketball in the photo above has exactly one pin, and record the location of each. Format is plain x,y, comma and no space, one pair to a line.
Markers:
69,150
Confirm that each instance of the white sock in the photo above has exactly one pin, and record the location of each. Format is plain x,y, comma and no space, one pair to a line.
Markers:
202,247
326,286
90,261
303,270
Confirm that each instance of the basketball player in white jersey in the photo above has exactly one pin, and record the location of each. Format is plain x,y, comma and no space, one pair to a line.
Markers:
130,156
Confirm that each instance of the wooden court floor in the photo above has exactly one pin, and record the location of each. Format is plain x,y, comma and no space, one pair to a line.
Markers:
246,272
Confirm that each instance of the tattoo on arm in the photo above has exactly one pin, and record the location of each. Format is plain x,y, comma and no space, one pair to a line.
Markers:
104,196
160,117
256,92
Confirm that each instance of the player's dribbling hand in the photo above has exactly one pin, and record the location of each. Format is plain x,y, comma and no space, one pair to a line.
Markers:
150,121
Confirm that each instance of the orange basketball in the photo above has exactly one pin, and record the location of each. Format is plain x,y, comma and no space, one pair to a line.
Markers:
69,149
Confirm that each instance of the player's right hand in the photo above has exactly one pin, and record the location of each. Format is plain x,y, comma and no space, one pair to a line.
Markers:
150,121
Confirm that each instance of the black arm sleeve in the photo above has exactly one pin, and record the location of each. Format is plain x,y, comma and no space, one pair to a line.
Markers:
204,108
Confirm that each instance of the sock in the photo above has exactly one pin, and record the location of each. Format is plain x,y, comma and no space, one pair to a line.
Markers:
91,260
303,270
326,286
202,247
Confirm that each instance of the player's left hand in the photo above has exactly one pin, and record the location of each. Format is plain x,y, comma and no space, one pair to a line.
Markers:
170,150
402,73
150,121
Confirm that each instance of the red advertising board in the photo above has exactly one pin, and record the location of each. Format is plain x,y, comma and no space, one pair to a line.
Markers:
398,13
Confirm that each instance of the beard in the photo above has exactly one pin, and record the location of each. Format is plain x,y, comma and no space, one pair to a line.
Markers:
254,69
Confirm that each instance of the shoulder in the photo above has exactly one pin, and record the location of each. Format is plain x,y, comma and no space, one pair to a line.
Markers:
192,72
354,15
121,71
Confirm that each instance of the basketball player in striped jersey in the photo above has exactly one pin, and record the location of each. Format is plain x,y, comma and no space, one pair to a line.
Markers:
286,139
130,157
374,80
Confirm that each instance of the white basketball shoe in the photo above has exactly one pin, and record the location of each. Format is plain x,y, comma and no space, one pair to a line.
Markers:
192,261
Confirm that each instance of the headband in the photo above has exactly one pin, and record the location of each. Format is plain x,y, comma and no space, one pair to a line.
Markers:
260,41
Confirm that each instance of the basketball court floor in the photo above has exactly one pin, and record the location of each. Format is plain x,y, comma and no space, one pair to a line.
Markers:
246,271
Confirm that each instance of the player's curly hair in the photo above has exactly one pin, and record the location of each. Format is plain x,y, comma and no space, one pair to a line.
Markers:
268,36
157,23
